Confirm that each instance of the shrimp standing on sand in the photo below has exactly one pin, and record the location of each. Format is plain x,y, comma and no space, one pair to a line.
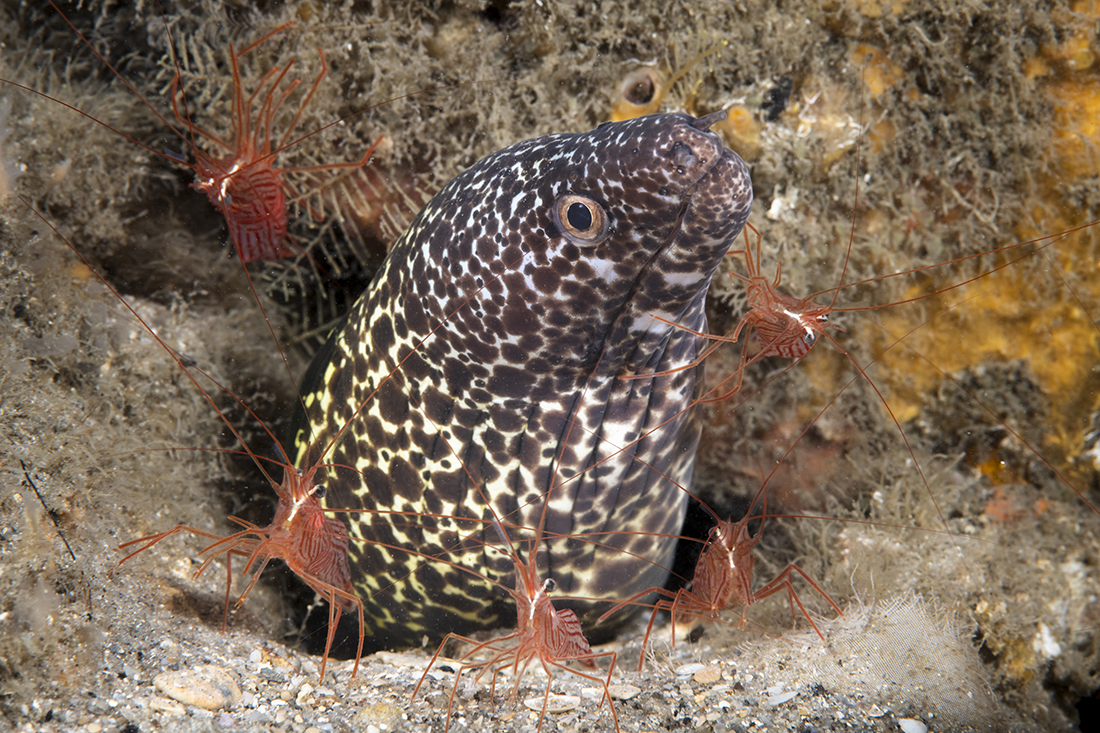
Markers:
552,636
312,545
549,635
723,579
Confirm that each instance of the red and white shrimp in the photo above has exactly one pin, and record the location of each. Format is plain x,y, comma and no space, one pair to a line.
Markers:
553,637
774,323
240,178
244,183
313,545
723,580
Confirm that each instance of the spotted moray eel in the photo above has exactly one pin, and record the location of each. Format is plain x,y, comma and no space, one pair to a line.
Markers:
498,334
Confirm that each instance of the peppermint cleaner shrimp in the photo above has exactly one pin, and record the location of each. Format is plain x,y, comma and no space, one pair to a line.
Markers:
774,323
546,634
244,184
313,545
723,579
550,635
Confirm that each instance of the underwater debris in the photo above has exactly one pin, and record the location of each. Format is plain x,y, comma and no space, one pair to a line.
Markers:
10,169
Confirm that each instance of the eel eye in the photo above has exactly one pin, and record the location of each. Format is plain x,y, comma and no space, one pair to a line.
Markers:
549,585
581,220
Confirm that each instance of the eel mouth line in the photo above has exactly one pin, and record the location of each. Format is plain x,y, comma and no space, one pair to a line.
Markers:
627,309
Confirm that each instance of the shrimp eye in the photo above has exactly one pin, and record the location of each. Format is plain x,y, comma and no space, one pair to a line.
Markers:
581,220
810,338
549,585
318,491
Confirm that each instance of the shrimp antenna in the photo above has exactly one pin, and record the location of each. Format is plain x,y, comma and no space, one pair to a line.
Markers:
49,512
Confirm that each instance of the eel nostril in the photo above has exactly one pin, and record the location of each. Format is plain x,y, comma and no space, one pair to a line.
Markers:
682,156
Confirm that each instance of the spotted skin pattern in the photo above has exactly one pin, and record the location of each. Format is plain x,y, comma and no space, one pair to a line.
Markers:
497,341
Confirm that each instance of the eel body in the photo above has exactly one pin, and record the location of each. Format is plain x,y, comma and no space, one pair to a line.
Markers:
488,361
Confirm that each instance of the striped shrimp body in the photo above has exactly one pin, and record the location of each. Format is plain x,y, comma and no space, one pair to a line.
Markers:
774,323
553,637
544,633
314,546
242,179
723,579
245,185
